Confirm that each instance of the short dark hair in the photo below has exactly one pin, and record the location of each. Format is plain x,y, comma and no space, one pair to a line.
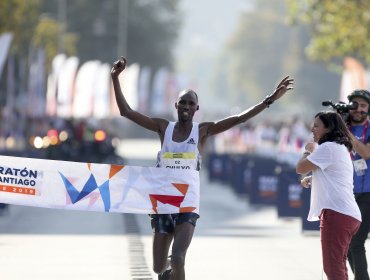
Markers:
189,91
338,131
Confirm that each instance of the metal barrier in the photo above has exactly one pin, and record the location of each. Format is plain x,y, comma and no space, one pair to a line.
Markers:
264,181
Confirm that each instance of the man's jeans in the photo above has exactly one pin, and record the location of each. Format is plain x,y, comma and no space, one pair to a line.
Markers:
357,253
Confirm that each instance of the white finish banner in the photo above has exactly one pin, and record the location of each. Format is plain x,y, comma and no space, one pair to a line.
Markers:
97,187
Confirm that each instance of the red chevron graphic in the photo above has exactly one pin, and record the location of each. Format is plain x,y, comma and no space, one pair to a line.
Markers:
167,199
174,200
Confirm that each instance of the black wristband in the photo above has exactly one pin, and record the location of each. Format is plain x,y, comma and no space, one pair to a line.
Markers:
268,101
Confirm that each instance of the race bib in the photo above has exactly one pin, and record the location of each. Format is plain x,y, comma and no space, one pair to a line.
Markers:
360,166
182,161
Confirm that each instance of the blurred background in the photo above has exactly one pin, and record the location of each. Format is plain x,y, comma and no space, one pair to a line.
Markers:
57,102
56,98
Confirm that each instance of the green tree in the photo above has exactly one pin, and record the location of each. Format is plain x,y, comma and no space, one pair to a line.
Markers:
338,28
155,26
31,28
19,17
46,36
265,47
151,29
259,51
90,30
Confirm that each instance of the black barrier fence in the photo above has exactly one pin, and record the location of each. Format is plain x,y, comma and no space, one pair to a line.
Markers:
289,197
241,177
219,168
306,225
264,181
231,169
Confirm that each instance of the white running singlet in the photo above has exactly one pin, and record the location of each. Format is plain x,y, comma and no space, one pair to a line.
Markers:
180,155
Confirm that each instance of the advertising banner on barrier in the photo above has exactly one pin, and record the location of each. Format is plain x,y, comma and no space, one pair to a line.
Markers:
264,182
289,198
97,187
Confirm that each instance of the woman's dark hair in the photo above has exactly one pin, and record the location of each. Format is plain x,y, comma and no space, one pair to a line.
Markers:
338,131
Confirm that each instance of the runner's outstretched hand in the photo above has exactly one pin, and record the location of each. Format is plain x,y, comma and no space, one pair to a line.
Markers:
118,67
285,85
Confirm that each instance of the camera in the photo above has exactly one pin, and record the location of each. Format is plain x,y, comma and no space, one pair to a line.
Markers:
342,108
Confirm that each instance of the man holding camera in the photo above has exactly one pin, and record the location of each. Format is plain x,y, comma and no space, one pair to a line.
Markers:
359,126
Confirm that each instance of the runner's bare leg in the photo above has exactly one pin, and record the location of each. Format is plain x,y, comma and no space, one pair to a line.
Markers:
182,239
161,246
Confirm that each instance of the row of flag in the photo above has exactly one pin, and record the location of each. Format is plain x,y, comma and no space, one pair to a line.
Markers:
73,89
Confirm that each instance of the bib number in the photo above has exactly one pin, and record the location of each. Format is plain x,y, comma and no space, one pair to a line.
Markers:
360,166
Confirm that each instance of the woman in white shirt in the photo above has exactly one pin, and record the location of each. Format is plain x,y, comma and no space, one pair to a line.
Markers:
332,200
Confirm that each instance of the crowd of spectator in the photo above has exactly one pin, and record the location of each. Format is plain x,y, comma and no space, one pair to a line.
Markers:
281,140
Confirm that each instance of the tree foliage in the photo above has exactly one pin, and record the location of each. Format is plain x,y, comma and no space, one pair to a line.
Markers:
155,26
338,28
260,51
150,26
88,29
264,49
32,28
91,29
46,36
19,17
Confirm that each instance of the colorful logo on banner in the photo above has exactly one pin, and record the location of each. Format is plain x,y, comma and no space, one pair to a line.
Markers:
173,200
18,181
91,185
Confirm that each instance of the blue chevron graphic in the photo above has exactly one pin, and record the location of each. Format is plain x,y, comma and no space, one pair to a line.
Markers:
88,188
